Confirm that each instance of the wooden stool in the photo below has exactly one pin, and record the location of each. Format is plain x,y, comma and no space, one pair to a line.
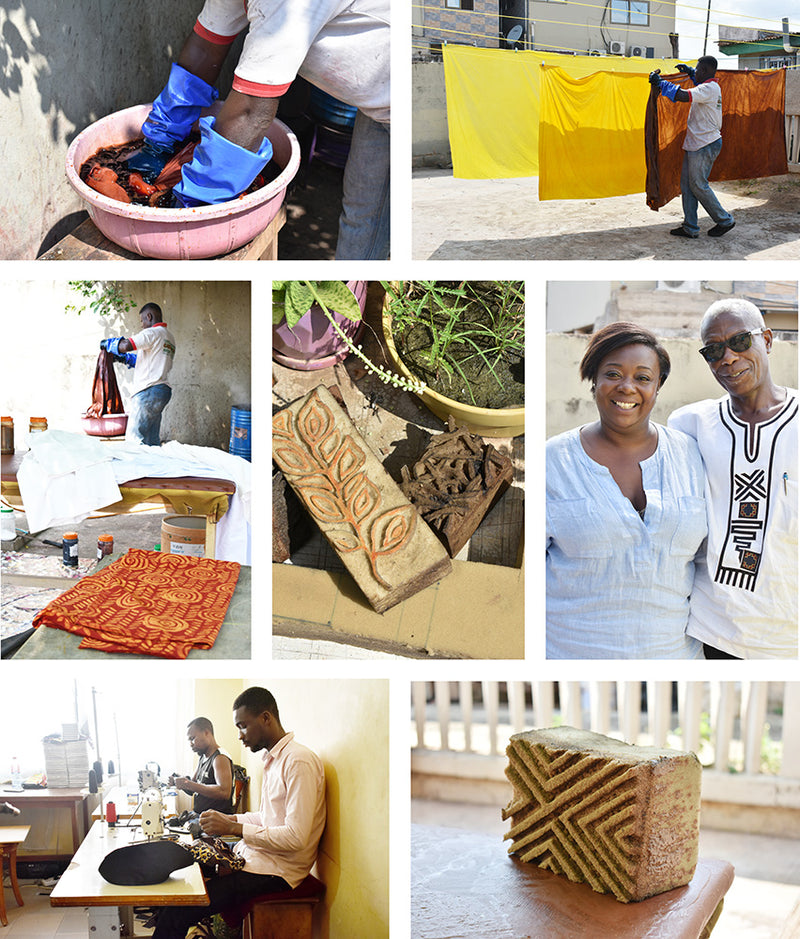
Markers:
10,837
286,915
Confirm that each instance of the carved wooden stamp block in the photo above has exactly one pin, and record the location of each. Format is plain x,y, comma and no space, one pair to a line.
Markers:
622,818
455,482
390,552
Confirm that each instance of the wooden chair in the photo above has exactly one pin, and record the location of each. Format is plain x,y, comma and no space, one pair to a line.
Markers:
241,787
10,837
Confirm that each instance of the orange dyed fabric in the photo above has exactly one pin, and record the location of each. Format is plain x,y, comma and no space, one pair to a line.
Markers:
147,603
753,135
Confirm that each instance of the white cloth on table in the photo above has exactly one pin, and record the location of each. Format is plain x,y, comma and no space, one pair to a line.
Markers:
67,476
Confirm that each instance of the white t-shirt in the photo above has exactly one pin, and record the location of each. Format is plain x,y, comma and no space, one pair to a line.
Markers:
341,46
704,124
744,598
155,352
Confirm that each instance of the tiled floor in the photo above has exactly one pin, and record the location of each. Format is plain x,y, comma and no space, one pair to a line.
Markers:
766,885
38,920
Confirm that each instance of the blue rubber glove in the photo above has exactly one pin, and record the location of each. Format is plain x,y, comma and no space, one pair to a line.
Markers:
174,112
687,70
219,169
668,89
129,358
112,346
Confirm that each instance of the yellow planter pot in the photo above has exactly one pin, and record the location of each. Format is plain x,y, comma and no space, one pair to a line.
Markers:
488,422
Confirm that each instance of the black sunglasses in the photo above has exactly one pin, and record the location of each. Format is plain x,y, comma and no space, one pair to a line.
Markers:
741,342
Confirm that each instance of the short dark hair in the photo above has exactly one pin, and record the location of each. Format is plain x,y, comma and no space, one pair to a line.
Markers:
708,60
201,723
615,336
154,308
256,701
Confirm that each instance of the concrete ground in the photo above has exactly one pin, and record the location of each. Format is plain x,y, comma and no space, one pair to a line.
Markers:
502,219
766,885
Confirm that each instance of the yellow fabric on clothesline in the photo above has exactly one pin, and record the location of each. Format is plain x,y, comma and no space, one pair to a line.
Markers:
591,134
493,104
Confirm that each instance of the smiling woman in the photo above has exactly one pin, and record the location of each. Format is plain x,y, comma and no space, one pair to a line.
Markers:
625,513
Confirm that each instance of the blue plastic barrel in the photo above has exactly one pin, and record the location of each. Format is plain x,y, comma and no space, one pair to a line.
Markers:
240,432
329,110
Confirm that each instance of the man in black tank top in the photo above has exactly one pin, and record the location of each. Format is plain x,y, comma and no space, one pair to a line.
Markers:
212,783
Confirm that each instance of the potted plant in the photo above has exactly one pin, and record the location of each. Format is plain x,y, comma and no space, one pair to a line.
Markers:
305,314
465,341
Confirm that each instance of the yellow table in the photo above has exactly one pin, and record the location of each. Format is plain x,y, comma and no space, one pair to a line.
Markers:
82,885
10,837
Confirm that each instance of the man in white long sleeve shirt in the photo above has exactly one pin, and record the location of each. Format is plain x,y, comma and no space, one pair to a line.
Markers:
279,842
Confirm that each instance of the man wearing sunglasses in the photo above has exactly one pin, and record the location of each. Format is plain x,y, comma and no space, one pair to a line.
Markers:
744,599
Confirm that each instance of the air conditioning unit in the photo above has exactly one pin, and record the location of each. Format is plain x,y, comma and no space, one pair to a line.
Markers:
615,47
680,286
636,51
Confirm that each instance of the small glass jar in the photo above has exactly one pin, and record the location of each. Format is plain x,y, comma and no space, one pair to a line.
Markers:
37,425
8,528
7,434
105,546
69,549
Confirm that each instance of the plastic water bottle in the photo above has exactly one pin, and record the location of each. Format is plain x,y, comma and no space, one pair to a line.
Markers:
16,774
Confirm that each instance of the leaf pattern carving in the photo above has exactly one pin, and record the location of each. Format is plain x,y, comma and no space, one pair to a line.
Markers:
328,468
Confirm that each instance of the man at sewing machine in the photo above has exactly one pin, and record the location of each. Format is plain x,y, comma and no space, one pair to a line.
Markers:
212,783
278,842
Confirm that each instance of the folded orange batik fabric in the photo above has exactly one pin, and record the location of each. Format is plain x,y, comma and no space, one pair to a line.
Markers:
147,603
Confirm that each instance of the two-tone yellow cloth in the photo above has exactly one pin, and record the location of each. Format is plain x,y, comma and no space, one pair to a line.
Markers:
499,102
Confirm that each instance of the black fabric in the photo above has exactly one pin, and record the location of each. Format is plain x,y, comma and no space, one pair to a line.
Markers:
225,892
711,653
148,862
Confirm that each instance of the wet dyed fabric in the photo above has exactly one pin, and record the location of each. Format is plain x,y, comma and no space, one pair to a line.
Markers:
493,104
147,603
753,136
590,134
106,398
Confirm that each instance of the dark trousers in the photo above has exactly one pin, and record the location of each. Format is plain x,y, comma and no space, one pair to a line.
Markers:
224,893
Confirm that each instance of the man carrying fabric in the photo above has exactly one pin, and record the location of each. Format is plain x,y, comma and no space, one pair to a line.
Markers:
341,46
279,842
744,600
212,783
150,353
702,145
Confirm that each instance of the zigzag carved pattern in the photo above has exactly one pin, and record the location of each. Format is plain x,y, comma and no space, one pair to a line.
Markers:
575,815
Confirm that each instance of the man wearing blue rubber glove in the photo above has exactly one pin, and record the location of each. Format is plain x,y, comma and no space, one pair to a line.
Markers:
341,46
702,145
150,353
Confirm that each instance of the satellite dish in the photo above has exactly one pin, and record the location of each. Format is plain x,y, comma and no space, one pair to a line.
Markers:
514,35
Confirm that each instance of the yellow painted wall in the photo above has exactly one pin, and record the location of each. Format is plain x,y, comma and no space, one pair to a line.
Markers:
347,724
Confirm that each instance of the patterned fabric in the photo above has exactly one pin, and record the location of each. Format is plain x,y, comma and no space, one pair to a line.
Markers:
147,603
212,853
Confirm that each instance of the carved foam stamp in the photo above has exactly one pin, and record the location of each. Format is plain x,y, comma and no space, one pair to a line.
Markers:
381,538
455,483
621,818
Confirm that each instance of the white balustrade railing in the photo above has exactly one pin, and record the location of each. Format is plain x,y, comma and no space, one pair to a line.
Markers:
747,731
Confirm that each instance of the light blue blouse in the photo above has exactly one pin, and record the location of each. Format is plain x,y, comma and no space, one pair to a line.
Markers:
618,585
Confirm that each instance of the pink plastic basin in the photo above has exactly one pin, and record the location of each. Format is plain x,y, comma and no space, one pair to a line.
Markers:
312,342
109,425
201,232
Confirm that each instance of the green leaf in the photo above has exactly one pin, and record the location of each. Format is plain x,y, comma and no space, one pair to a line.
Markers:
338,298
299,301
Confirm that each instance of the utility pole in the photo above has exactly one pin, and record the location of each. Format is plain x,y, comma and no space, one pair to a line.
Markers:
708,17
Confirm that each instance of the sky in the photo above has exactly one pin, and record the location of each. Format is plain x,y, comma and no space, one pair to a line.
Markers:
758,14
